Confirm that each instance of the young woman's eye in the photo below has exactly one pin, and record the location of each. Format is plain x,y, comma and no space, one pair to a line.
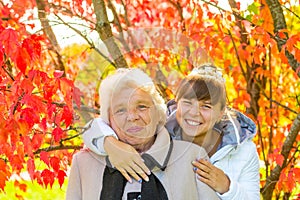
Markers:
206,106
142,107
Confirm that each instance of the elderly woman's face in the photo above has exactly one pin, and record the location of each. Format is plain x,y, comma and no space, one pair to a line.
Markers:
133,116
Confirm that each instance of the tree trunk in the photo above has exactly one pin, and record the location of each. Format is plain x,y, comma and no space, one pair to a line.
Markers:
59,65
104,30
279,24
271,181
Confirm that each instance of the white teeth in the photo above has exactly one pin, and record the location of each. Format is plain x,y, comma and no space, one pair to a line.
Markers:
192,123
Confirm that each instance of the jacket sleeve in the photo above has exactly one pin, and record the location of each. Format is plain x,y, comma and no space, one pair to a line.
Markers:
246,187
95,134
74,183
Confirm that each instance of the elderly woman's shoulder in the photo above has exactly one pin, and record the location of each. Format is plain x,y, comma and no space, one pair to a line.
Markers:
86,155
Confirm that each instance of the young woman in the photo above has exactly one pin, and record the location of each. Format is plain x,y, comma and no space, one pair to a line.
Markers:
202,118
135,111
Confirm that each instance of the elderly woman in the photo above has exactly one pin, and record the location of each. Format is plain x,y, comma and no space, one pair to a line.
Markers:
134,109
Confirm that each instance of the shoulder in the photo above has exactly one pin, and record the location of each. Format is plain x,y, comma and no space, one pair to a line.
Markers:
249,147
246,151
86,156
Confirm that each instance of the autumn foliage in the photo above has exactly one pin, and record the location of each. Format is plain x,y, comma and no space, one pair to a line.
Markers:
49,91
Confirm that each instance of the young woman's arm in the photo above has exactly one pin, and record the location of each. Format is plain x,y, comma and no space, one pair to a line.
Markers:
102,140
96,131
243,183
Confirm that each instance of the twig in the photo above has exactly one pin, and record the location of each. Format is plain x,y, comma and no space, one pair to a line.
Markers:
86,39
55,148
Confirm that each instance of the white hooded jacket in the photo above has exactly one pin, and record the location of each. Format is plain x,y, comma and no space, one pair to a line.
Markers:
236,155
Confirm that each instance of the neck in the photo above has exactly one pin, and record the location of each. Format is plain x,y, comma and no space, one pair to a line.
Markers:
145,146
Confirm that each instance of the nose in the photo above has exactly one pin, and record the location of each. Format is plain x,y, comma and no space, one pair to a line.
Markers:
195,110
132,115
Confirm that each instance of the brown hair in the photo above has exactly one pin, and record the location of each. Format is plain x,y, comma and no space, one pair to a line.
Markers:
201,88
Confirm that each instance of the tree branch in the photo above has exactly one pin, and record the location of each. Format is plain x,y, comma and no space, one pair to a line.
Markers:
56,148
271,181
118,24
179,9
104,30
280,24
92,46
41,5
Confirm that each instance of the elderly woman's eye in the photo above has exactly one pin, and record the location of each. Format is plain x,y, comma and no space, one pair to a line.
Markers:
120,110
187,102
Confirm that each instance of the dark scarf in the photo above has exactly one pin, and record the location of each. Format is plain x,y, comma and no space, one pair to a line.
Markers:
114,183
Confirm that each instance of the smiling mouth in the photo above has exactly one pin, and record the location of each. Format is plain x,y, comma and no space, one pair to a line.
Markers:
134,129
192,122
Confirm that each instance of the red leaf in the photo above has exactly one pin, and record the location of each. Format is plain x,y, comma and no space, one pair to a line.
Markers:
43,124
22,59
31,168
30,116
54,163
45,157
1,56
47,177
291,181
33,47
9,40
27,86
58,74
22,186
67,116
4,174
57,134
37,141
28,146
76,96
279,159
61,177
16,162
66,87
51,110
3,179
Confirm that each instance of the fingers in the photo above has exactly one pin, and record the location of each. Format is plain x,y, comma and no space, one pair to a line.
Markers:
133,173
134,170
202,167
137,171
211,175
141,169
125,174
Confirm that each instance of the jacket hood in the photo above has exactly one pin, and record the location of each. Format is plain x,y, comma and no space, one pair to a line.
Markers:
236,127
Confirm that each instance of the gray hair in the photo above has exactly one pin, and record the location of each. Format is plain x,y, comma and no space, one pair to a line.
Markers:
134,78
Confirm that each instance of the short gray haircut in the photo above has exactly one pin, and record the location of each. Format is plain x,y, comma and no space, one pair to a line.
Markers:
129,78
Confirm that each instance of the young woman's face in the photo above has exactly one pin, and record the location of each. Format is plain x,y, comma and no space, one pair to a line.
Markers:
133,116
197,117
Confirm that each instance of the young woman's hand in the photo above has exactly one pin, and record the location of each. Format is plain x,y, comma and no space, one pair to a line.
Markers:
126,159
211,175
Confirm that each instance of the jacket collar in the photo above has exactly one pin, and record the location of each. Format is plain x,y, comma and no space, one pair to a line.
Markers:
159,153
157,156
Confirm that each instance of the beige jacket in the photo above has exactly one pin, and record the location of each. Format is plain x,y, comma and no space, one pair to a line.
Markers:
178,179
